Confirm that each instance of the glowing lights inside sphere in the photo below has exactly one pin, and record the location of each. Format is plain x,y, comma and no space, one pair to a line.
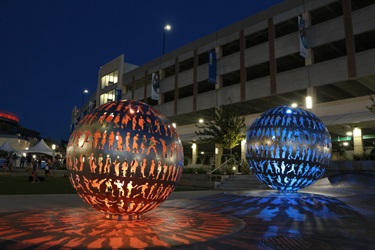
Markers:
124,157
288,148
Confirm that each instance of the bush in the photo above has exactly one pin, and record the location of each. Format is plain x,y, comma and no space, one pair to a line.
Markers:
188,171
201,170
229,171
199,161
206,160
363,156
245,169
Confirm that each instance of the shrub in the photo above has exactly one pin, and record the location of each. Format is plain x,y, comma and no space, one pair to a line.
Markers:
199,161
245,169
186,162
189,171
229,171
363,156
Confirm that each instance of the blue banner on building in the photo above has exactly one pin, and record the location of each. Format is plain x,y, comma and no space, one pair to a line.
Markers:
118,94
212,67
302,37
155,86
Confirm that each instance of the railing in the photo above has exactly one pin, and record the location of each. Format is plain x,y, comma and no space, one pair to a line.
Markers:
224,163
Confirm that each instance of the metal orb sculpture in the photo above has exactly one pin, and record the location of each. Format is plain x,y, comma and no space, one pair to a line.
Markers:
124,158
288,148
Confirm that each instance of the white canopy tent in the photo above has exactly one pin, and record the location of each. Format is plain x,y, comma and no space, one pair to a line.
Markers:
7,147
40,148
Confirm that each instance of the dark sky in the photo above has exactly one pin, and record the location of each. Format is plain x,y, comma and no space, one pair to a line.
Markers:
51,50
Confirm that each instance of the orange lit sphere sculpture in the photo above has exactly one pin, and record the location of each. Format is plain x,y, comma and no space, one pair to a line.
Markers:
124,157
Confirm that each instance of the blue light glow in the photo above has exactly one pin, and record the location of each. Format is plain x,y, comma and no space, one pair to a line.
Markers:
288,149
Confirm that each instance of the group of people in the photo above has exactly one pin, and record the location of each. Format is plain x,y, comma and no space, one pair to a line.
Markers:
42,163
8,162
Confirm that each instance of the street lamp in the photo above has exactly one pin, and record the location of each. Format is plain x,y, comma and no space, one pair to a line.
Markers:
166,27
83,96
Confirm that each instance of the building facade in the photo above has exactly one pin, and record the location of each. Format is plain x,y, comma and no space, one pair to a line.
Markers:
323,50
16,136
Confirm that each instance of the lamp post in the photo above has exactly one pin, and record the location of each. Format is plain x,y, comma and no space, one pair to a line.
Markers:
83,96
53,156
166,27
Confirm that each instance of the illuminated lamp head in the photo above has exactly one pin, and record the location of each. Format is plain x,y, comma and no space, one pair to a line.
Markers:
288,148
111,158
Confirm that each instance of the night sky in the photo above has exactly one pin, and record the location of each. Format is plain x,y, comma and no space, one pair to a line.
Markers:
50,51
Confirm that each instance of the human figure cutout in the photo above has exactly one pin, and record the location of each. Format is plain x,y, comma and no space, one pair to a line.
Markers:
119,141
135,143
124,168
111,140
127,142
141,123
125,120
143,167
143,188
119,186
143,144
107,165
152,169
104,139
134,123
164,148
109,119
108,186
152,145
100,163
130,187
117,167
86,139
116,121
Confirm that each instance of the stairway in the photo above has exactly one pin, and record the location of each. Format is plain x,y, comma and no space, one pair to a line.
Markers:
241,182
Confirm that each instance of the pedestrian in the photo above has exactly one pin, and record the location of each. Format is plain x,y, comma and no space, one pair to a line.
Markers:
10,164
3,163
46,170
35,172
22,162
29,160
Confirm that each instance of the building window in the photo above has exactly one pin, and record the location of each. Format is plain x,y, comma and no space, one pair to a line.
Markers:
289,62
326,13
257,71
364,41
286,27
231,78
108,97
231,48
203,58
257,38
356,5
186,65
109,79
329,51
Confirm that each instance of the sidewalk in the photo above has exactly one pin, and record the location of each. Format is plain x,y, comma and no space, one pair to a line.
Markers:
321,216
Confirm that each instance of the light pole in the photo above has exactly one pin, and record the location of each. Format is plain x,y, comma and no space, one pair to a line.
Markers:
83,96
166,27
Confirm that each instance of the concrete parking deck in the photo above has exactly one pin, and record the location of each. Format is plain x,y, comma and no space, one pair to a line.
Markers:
322,216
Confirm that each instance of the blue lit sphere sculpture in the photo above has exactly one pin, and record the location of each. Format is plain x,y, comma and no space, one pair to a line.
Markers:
288,148
124,157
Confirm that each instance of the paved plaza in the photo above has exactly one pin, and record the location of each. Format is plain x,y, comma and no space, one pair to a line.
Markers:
322,216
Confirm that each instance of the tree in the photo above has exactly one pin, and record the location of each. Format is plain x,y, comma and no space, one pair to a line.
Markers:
225,127
372,107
